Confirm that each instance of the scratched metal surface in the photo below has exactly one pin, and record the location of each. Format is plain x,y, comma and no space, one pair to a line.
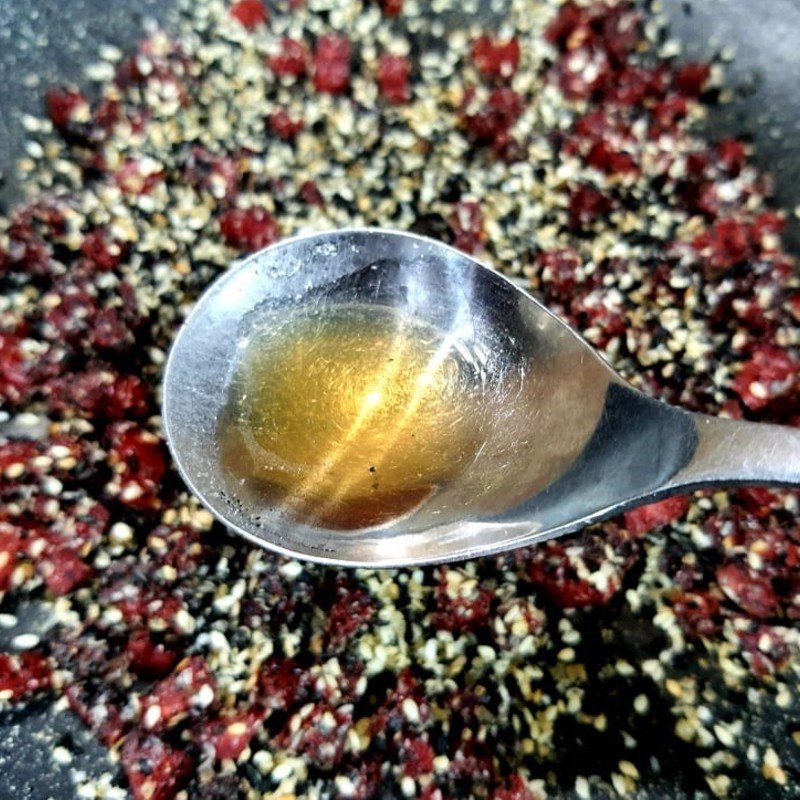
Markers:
48,41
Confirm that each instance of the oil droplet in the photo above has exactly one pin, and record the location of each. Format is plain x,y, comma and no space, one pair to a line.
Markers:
351,418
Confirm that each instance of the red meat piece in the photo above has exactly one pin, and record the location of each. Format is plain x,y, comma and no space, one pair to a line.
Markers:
180,547
732,156
507,149
634,85
503,106
586,206
352,608
568,592
417,757
495,58
106,115
10,546
765,649
248,229
392,8
23,674
549,568
570,28
280,683
332,64
291,59
461,613
230,735
108,330
644,519
139,459
102,717
101,251
600,321
311,194
697,613
64,570
692,78
751,592
668,112
155,771
16,453
620,31
724,245
250,13
392,77
16,379
72,317
611,161
471,760
284,126
768,223
64,105
141,452
319,733
173,696
139,604
506,104
148,659
215,174
769,375
759,500
99,392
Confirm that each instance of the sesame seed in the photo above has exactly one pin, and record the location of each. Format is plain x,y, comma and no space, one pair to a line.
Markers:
25,641
152,717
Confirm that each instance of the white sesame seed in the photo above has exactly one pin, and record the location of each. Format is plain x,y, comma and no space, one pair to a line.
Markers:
152,716
204,696
25,641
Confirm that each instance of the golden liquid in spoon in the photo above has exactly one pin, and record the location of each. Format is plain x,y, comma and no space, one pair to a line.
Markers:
349,419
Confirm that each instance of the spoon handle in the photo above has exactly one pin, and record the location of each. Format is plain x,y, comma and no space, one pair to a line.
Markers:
734,453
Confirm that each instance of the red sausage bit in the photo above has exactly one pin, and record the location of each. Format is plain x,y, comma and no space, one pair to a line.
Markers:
332,64
495,58
392,77
250,13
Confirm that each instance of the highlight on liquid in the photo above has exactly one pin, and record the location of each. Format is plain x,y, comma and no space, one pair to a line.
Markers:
350,418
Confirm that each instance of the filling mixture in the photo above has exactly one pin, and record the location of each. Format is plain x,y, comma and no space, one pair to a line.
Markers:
655,655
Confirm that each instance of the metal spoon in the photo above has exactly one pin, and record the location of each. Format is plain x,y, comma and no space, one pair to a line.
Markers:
572,444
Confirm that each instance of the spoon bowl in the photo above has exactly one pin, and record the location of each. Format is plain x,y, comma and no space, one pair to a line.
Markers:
562,440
